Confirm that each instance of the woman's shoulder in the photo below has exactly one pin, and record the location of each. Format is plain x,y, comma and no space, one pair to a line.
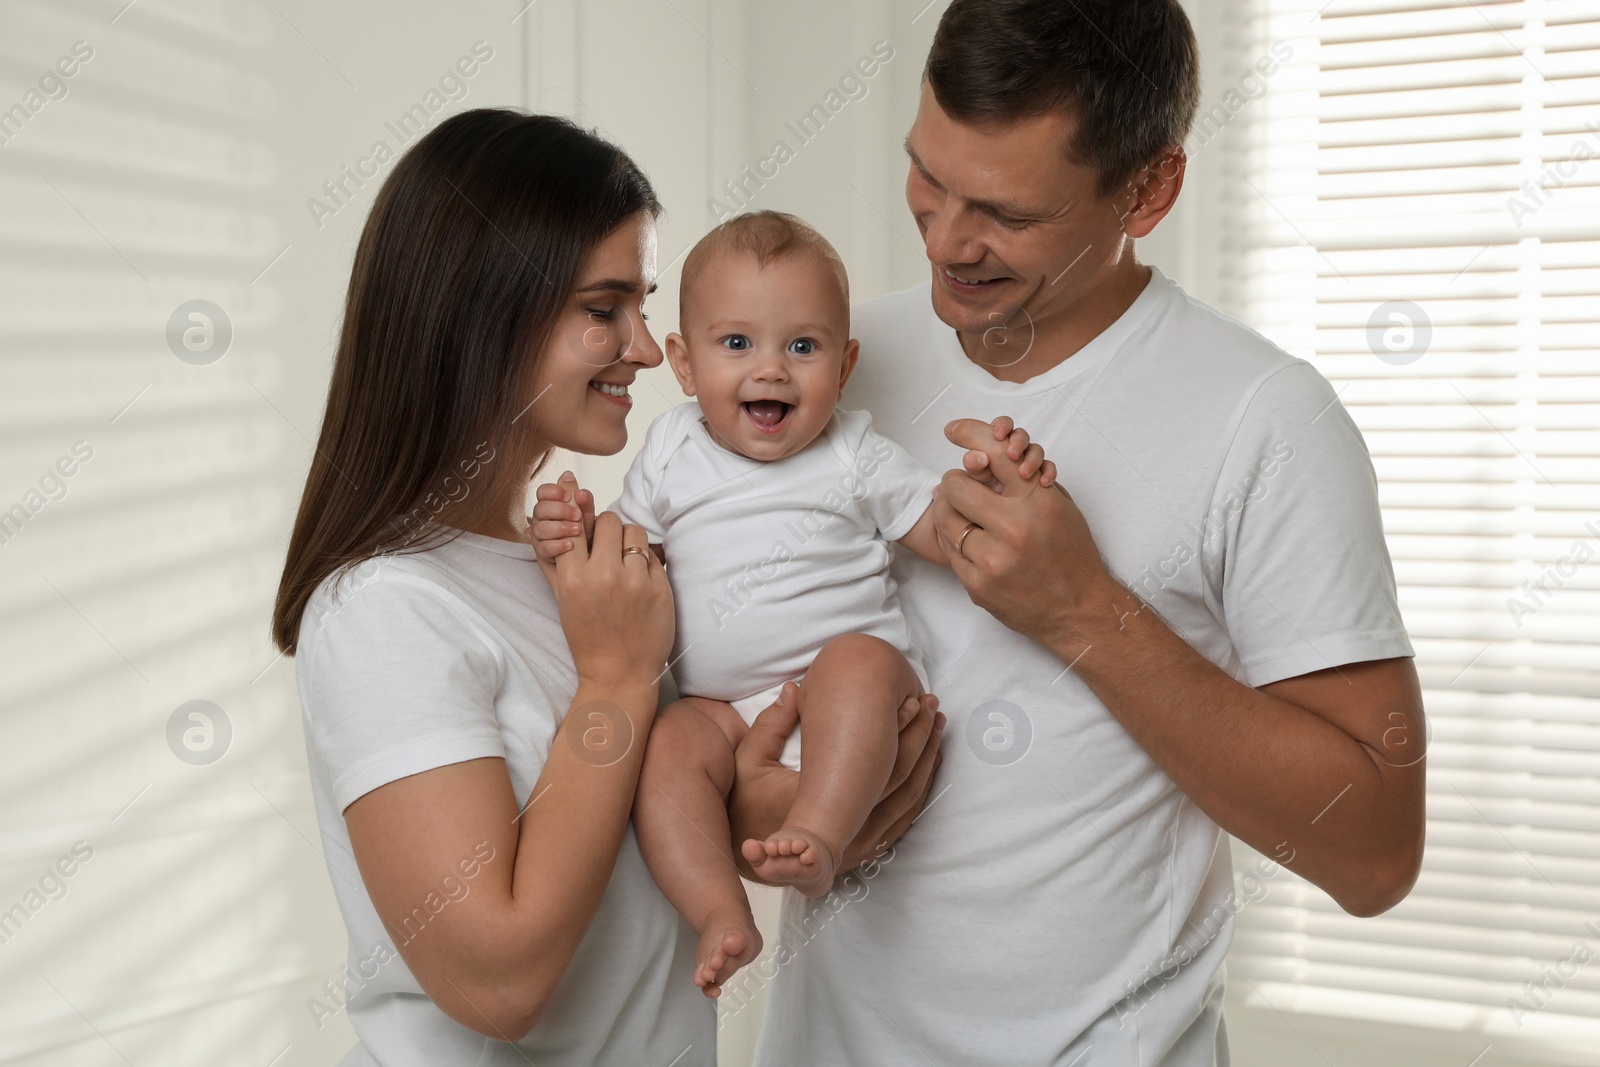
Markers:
396,676
353,583
397,596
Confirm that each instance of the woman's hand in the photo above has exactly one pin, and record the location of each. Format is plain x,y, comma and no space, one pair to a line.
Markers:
616,605
764,789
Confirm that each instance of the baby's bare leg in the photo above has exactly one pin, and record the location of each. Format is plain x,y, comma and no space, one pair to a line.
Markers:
849,737
680,816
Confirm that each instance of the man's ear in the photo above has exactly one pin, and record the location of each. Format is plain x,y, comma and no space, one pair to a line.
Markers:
852,351
1152,193
678,357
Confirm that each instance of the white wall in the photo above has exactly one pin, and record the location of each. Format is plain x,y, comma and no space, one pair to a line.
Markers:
179,166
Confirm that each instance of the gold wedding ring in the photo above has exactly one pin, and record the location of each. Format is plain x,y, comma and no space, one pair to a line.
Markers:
963,538
632,549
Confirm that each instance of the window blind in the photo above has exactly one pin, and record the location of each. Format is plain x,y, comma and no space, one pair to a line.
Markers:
1418,190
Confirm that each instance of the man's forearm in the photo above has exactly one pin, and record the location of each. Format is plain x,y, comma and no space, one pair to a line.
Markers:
1335,788
1324,767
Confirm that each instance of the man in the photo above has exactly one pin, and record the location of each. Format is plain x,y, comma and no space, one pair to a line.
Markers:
1202,632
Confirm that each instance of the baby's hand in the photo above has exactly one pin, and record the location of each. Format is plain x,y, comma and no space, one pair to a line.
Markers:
562,512
1028,457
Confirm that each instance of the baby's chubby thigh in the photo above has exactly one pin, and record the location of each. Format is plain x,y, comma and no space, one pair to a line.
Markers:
854,690
869,661
697,731
857,679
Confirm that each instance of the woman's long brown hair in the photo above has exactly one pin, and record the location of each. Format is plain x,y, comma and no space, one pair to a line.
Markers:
465,263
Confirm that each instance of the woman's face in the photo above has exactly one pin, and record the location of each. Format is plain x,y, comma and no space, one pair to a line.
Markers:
600,344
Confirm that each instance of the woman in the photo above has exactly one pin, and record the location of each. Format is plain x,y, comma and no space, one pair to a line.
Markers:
475,726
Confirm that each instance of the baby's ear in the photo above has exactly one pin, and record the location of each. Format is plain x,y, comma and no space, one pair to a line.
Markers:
678,358
852,352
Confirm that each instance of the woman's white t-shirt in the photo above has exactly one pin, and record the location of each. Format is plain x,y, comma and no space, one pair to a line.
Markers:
412,662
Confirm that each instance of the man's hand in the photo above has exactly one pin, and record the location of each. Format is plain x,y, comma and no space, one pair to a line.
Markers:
1028,457
1025,552
764,789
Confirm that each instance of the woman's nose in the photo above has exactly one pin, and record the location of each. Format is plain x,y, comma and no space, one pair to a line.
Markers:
641,347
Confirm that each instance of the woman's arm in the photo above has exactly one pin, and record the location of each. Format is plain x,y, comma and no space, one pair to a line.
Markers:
491,958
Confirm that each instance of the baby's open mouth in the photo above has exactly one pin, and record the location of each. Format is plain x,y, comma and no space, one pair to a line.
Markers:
767,415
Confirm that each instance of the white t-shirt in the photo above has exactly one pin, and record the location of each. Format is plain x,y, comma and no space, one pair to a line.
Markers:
1060,901
770,560
452,654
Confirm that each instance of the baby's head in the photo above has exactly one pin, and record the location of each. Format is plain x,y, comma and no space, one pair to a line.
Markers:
765,343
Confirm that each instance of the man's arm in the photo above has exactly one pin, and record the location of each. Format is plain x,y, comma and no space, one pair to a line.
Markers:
1325,769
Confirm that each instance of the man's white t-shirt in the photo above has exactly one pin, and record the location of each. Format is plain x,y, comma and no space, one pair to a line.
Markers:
770,560
412,662
1060,901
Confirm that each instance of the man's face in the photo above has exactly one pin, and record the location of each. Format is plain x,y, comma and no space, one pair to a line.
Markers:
1016,232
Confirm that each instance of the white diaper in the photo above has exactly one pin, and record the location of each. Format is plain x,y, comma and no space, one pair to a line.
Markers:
754,704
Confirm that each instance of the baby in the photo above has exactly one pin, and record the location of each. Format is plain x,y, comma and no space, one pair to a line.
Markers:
773,511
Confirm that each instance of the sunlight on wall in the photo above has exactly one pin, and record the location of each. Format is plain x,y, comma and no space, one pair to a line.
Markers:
136,480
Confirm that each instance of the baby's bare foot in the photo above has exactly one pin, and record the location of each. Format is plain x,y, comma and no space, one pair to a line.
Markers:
728,941
793,856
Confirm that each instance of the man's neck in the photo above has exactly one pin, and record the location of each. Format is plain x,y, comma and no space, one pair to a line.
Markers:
1052,340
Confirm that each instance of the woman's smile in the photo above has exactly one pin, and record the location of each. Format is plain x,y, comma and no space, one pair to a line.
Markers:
616,392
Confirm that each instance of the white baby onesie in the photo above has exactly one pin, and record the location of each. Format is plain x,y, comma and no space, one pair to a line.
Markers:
771,560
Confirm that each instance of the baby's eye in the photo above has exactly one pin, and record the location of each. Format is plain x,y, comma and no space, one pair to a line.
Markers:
803,347
737,342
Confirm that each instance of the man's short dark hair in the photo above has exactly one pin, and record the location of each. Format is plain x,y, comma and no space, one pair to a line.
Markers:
1127,70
